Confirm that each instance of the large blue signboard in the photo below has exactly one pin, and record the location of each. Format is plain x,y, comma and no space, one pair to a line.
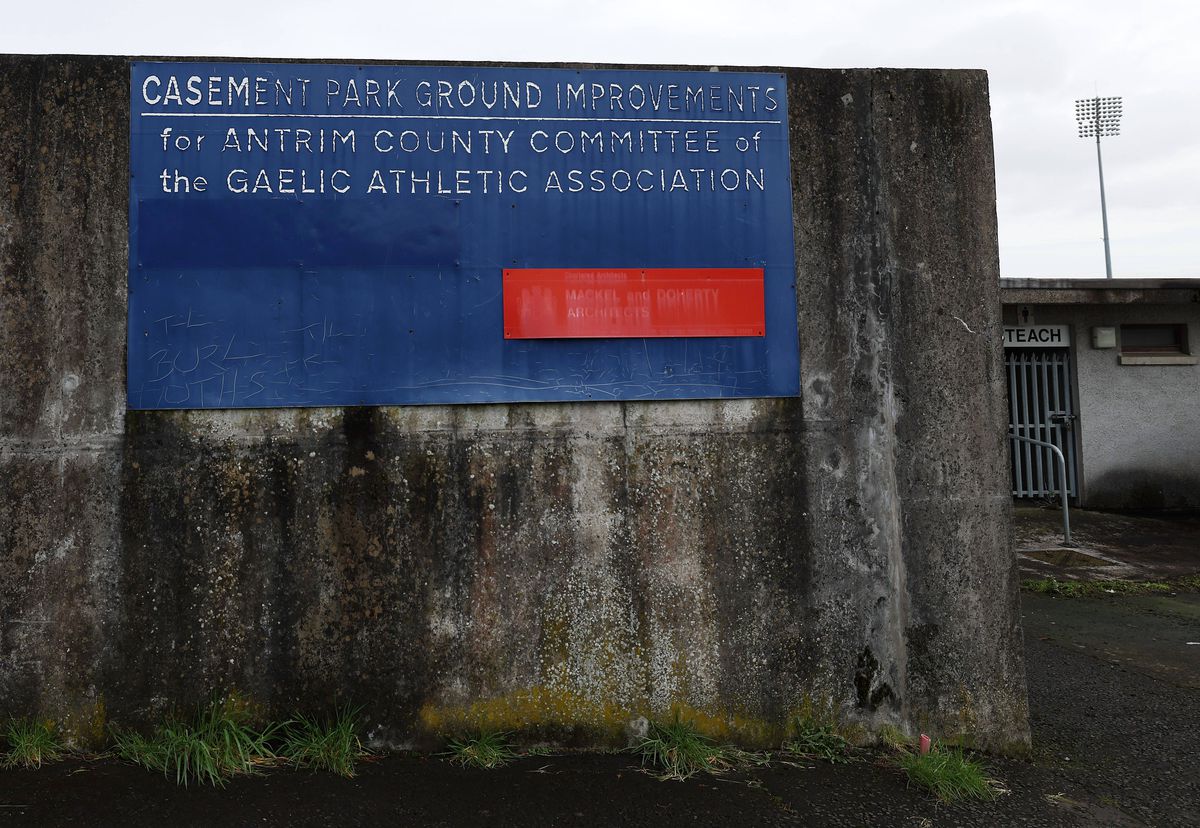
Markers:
307,235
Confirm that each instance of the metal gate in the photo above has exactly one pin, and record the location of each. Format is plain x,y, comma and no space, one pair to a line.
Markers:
1041,407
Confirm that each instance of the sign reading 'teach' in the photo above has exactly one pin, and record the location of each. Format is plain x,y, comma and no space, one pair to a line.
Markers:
1037,336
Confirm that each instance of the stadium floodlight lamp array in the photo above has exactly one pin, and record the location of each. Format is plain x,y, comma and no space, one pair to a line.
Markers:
1100,118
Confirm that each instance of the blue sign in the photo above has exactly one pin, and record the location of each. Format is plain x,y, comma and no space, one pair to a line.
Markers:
308,235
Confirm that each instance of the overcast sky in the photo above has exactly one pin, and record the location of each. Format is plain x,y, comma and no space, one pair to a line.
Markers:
1041,56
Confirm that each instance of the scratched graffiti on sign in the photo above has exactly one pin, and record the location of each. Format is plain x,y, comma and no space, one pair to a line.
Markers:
308,234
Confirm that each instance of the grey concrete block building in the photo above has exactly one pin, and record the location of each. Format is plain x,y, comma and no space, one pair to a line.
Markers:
1108,370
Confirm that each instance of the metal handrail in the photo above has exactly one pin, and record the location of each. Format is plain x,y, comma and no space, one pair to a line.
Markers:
1062,477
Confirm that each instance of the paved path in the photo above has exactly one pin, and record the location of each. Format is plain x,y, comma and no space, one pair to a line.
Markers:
1107,544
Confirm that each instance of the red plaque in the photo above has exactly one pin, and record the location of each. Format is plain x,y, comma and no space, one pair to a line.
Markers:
556,303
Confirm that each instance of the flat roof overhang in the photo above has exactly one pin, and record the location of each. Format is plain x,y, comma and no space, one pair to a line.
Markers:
1099,291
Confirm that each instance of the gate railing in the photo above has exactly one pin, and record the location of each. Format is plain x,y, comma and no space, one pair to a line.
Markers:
1062,469
1041,408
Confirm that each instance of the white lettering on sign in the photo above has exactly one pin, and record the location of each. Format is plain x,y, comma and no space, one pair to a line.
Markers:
1037,336
269,134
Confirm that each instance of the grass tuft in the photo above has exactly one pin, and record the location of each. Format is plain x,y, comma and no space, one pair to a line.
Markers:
487,750
330,745
818,741
680,751
1091,589
893,737
218,743
30,743
949,775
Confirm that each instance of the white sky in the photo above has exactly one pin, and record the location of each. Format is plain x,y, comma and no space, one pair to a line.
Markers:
1040,57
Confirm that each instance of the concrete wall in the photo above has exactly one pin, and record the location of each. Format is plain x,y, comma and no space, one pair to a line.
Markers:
558,568
1139,425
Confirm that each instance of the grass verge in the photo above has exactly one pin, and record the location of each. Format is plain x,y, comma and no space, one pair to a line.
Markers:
949,775
1188,583
30,743
1091,589
218,743
678,751
486,750
332,745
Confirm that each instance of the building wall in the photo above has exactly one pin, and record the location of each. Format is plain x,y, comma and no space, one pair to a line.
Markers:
552,568
1139,425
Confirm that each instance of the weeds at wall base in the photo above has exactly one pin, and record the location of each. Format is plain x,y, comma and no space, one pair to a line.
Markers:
679,751
30,743
220,742
949,775
892,737
811,740
332,745
486,750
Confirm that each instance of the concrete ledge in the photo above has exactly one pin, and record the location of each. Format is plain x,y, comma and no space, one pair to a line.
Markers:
1158,359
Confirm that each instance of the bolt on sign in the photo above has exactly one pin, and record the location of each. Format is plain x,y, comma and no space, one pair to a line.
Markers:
305,235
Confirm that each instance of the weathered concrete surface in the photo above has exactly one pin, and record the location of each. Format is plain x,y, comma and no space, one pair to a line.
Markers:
561,568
